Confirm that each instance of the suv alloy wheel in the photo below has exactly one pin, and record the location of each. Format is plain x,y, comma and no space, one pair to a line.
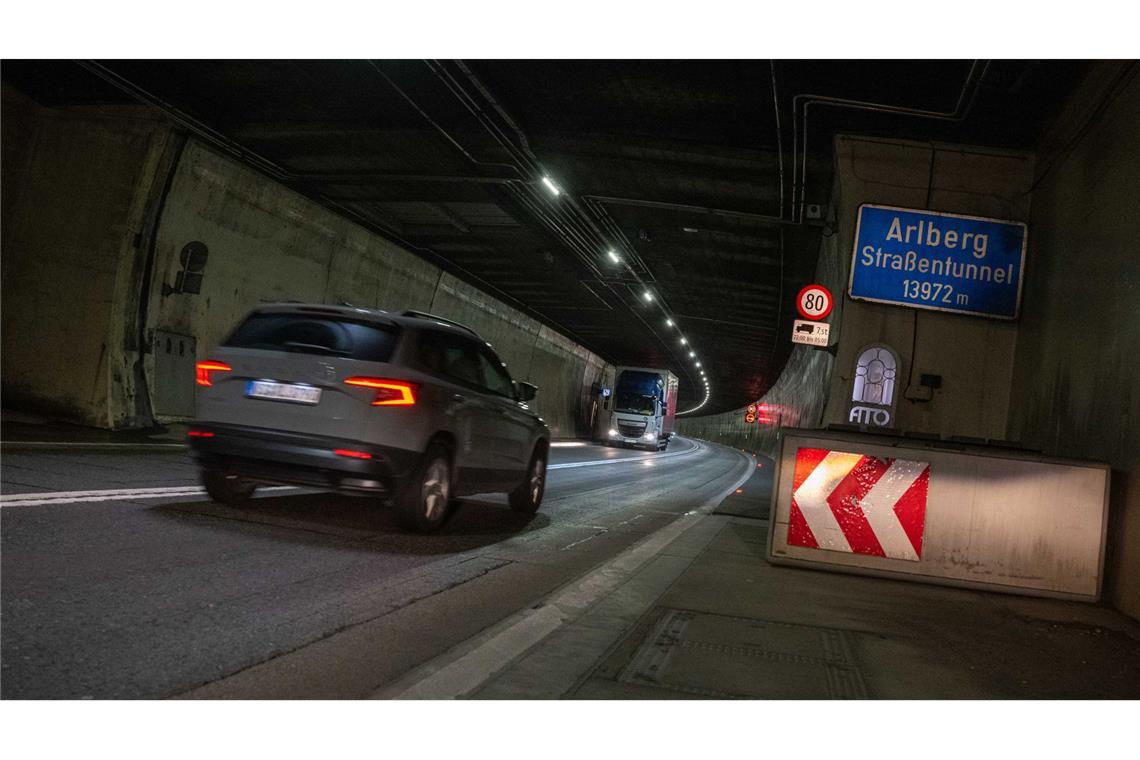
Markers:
424,505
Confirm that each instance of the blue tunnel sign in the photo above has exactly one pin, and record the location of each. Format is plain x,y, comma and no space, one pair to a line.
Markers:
944,262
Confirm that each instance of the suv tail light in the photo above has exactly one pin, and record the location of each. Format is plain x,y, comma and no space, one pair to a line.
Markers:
205,368
388,392
352,453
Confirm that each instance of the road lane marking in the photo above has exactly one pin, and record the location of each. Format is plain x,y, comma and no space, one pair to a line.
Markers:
626,460
494,652
126,494
88,445
584,540
109,494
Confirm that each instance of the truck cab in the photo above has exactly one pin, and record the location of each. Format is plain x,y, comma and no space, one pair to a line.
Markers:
642,408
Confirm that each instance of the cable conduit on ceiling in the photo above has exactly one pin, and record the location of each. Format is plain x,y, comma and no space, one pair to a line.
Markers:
525,155
443,132
779,135
671,206
575,219
578,244
191,124
665,343
961,110
529,161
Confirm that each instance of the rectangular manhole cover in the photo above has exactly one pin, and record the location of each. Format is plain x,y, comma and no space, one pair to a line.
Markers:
731,657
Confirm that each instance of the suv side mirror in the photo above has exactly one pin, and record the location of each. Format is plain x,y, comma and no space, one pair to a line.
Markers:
525,391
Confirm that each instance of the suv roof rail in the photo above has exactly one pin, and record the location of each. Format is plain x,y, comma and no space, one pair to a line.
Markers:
444,320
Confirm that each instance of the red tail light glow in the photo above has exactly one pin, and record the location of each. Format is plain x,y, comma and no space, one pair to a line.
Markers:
388,392
205,368
200,434
351,453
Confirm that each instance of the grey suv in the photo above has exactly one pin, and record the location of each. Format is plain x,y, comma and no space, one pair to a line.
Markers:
405,406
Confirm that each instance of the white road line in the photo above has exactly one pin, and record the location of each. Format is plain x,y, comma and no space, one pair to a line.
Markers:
98,492
125,494
470,670
626,460
109,494
89,445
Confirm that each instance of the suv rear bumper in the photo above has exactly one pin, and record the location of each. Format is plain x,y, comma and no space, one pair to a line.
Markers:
273,456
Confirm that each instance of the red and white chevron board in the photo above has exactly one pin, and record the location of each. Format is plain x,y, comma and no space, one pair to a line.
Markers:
855,503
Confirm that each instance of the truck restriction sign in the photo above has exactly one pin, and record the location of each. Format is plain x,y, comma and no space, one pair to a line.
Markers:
810,333
750,409
814,302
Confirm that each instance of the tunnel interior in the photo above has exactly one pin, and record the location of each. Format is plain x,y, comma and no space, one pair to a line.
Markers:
585,215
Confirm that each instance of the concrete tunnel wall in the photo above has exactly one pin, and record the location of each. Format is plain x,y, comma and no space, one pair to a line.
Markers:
89,193
1076,376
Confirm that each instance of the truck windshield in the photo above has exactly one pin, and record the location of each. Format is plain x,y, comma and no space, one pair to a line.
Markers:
636,392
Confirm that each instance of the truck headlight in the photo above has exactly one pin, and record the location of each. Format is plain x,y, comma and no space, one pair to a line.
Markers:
613,433
649,436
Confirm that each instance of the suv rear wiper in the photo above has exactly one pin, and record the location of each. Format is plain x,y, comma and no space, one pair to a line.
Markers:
309,348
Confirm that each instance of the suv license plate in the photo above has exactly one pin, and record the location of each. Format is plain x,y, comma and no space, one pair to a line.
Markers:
272,391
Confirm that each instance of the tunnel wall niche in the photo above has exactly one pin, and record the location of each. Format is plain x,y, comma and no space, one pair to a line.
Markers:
972,355
268,243
79,193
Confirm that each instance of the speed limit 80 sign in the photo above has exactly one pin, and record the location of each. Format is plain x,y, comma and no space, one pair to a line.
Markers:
814,302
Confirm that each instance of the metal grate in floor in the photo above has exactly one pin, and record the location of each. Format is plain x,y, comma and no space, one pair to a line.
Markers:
727,657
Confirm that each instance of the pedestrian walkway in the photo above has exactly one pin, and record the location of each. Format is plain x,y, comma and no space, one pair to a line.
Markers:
708,617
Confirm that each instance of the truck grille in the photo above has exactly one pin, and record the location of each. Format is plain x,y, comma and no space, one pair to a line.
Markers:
631,430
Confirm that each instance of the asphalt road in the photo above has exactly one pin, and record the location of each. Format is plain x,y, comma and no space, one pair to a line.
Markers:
115,590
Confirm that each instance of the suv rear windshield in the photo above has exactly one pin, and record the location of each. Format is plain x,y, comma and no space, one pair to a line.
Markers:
324,335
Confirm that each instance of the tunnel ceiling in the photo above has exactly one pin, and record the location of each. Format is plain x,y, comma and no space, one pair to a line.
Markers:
697,174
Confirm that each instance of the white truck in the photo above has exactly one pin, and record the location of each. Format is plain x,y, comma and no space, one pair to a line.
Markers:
642,408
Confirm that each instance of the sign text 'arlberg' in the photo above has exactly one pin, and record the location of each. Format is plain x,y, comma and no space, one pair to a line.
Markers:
943,262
